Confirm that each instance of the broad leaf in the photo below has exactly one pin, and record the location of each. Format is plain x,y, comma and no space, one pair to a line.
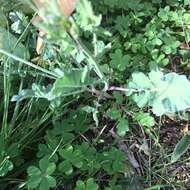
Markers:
3,19
167,93
181,147
87,20
114,113
23,94
19,21
71,82
37,91
8,43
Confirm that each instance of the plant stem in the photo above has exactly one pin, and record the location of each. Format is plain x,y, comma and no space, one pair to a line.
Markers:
28,63
89,55
6,83
115,88
16,110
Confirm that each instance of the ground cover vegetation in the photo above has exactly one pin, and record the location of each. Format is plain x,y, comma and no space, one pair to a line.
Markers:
105,105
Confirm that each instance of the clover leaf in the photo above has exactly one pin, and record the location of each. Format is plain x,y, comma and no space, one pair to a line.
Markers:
71,158
114,161
122,25
114,113
41,177
170,45
164,13
45,151
90,161
144,119
119,61
122,127
88,185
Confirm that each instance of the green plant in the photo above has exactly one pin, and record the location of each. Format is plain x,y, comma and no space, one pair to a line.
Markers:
90,184
181,148
41,177
144,119
71,158
113,161
111,80
164,93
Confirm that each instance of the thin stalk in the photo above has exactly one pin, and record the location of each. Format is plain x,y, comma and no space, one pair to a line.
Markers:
20,37
156,187
95,45
90,57
55,150
24,72
26,139
28,63
115,88
92,61
16,110
6,84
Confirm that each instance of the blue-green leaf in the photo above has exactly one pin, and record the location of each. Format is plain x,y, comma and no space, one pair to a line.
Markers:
167,93
8,43
87,20
71,82
181,147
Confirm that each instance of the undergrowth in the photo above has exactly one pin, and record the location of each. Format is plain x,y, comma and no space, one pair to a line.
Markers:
105,106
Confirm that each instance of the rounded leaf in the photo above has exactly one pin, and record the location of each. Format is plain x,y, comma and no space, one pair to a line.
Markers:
51,168
34,181
122,127
33,171
80,185
66,167
44,185
51,181
91,185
